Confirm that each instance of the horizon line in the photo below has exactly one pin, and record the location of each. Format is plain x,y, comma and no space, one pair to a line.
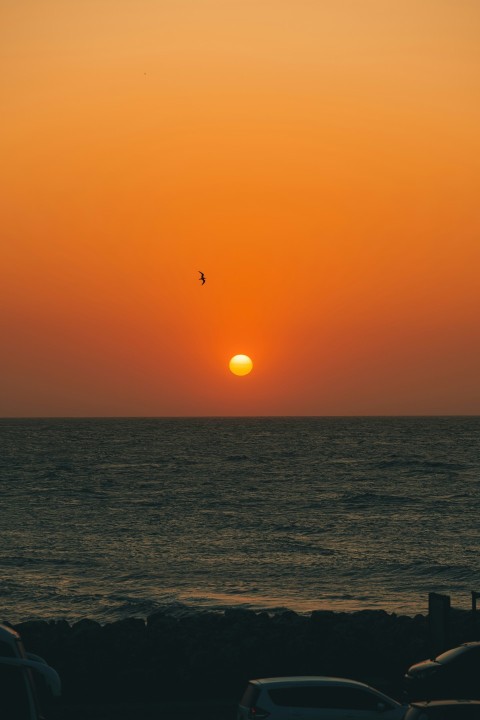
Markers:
233,417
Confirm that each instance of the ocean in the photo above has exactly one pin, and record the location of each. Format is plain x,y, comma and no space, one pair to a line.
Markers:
114,518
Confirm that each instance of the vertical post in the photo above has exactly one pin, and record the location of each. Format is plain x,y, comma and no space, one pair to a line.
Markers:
475,596
438,616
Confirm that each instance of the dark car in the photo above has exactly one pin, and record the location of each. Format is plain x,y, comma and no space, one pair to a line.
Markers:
25,679
444,710
453,674
315,698
18,696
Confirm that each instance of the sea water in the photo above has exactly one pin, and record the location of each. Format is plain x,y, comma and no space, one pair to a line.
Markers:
111,518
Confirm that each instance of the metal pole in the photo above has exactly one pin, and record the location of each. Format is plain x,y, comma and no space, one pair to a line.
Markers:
475,596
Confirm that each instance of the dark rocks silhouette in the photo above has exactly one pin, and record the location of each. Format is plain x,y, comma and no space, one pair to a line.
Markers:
167,657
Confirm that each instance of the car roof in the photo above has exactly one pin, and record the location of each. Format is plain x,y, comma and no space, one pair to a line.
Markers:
306,680
8,633
463,648
444,703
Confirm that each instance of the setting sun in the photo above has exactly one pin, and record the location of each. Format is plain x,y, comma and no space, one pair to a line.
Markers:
296,179
240,365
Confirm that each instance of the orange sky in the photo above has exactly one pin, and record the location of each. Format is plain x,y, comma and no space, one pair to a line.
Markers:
318,160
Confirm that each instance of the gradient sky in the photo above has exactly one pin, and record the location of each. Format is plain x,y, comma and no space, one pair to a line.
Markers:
318,160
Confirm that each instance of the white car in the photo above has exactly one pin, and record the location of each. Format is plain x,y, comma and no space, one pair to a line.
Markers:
316,698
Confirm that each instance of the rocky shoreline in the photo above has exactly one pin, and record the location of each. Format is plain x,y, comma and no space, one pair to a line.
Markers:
210,656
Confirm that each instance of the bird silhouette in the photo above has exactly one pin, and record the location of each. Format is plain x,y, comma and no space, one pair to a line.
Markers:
202,278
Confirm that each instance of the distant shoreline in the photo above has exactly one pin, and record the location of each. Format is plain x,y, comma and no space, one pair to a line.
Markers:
241,417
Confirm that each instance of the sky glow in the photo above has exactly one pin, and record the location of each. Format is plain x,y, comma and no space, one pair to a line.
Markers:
319,161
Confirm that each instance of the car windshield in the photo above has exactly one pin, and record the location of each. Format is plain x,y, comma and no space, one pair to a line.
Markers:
328,696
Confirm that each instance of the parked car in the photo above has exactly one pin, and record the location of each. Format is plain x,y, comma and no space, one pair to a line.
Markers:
453,674
315,698
18,697
24,679
444,710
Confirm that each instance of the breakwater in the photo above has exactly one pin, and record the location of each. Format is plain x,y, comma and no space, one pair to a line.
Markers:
201,655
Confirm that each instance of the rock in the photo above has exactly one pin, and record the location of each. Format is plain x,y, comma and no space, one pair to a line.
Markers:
165,656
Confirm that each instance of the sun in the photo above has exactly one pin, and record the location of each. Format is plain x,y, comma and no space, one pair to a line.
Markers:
240,365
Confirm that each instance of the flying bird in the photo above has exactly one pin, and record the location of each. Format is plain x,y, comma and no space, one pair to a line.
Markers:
202,277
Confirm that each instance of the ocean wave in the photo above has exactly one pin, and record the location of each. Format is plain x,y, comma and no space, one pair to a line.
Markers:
419,464
371,499
110,519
